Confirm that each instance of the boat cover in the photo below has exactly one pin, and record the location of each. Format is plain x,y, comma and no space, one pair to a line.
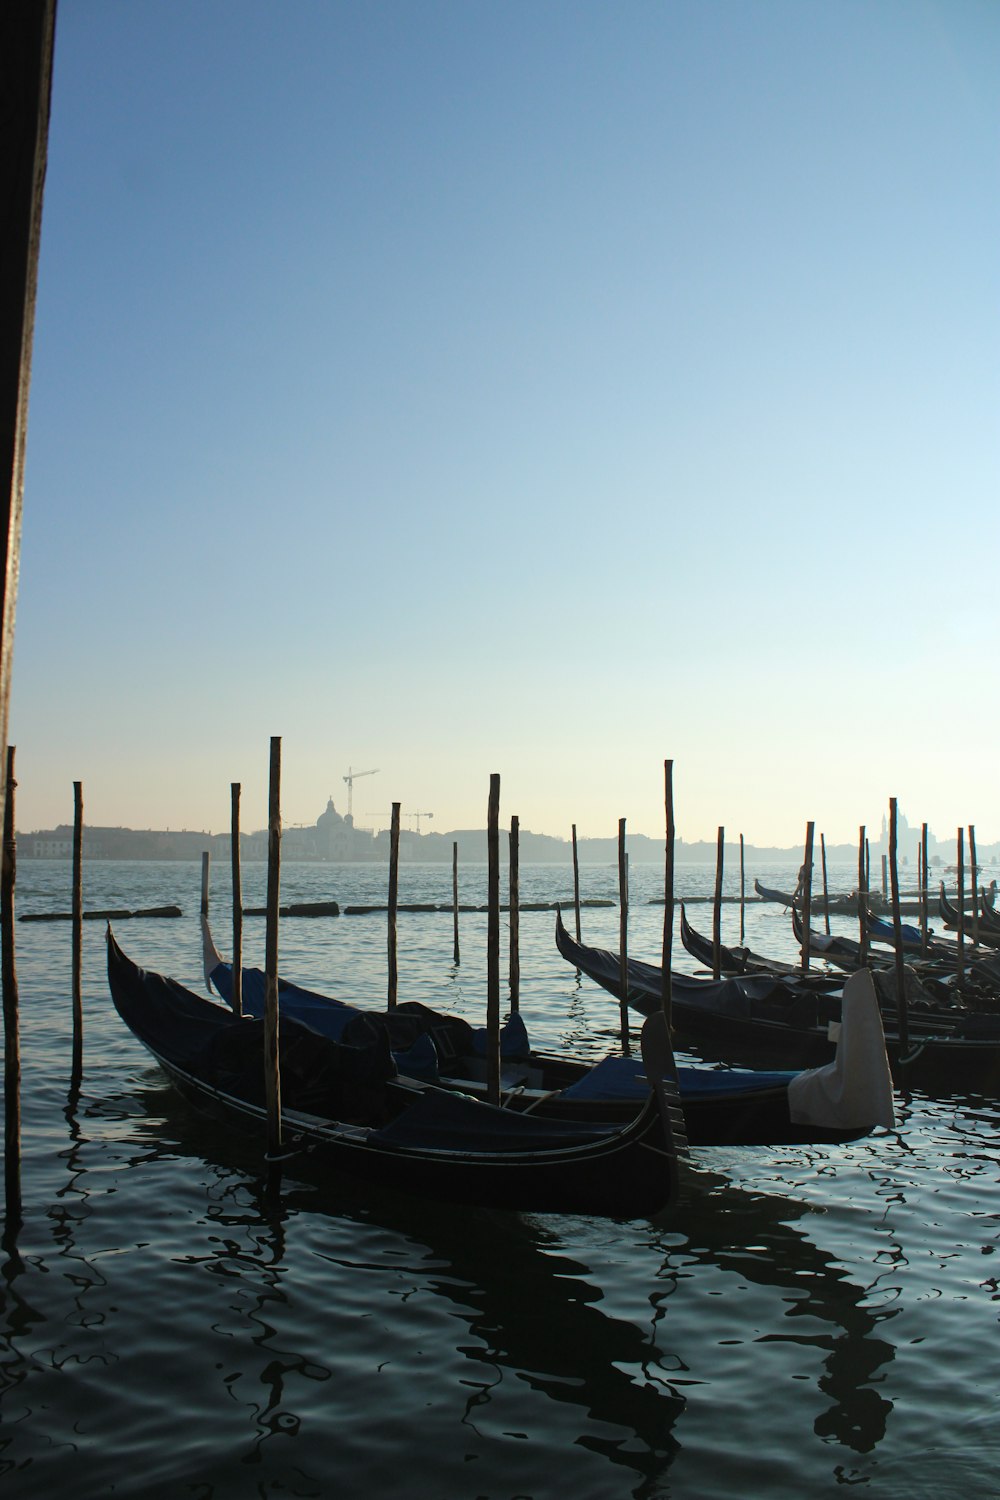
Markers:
408,1024
445,1121
856,1088
624,1078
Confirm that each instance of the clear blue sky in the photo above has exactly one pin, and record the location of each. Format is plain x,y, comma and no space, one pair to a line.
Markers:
538,388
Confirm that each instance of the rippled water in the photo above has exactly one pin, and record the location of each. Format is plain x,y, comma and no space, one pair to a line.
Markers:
809,1318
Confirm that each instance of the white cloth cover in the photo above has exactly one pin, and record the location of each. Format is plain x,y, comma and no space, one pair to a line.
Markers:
855,1089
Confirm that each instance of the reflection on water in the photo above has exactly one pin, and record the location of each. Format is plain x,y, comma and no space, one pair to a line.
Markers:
168,1327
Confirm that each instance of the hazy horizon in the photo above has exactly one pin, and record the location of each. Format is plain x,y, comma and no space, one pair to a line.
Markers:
546,390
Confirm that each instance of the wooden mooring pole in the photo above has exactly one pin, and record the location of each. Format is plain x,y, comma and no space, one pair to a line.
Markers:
76,1065
720,847
393,905
862,897
11,1034
206,866
454,900
897,932
234,839
515,919
973,883
743,896
272,1040
826,891
922,891
666,993
493,941
576,884
960,966
807,870
623,937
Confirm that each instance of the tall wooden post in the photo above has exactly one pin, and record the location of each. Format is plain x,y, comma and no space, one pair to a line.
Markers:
454,900
27,30
924,888
493,941
234,839
974,883
272,1041
515,919
743,896
666,994
206,865
826,891
76,1065
717,906
623,937
897,931
807,870
885,879
576,884
11,1034
393,903
862,897
960,967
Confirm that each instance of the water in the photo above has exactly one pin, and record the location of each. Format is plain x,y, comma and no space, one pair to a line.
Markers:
811,1318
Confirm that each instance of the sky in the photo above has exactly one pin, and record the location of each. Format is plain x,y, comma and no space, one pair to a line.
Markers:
551,389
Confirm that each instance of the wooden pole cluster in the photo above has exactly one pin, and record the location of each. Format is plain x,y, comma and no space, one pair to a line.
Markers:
515,919
623,937
897,933
11,1033
393,903
493,941
237,991
666,996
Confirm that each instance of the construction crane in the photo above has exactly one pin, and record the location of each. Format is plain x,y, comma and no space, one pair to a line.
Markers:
351,778
418,816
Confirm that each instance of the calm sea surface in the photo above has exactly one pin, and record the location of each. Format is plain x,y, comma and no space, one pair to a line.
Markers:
811,1318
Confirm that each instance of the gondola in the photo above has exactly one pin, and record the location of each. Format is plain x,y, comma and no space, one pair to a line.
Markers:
731,960
722,1106
845,953
764,1022
984,924
345,1109
784,898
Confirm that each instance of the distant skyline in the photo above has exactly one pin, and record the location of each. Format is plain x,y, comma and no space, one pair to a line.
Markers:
537,389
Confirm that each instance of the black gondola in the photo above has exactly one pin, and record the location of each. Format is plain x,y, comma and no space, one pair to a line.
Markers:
346,1110
722,1106
760,1021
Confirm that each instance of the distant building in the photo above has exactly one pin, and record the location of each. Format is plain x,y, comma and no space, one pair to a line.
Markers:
337,838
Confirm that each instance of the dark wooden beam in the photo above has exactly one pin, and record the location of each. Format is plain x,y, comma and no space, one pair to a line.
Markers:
27,31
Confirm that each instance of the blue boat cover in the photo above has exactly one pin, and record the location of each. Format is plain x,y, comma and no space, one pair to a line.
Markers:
410,1026
623,1078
